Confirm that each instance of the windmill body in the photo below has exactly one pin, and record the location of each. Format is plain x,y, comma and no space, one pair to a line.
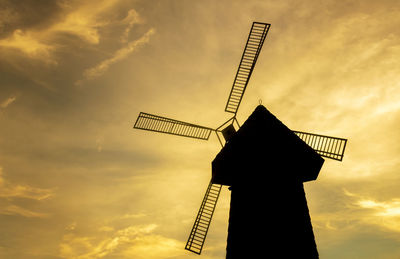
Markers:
265,165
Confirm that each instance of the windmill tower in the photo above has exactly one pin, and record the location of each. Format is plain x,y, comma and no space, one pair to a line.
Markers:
265,164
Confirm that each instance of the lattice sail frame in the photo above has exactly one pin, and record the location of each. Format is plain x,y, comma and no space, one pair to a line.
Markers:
146,121
202,223
254,43
326,146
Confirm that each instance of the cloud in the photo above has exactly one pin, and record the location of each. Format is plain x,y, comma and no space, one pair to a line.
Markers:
119,55
17,210
131,19
385,214
369,211
25,191
71,226
8,190
383,209
353,212
84,21
389,100
132,242
29,44
7,102
155,247
81,20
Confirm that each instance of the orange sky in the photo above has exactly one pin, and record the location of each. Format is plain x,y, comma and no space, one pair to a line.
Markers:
76,181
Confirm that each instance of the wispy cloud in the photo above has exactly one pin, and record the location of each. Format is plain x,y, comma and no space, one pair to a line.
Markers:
7,102
119,55
9,190
81,20
29,44
84,21
71,226
385,214
25,191
356,212
382,209
131,19
17,210
135,241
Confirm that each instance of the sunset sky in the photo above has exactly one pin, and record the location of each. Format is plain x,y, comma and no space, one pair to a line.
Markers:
77,181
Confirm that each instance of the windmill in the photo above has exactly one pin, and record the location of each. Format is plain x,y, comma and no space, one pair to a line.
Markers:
305,148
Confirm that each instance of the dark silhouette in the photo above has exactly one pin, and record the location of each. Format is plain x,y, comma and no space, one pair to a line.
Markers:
265,165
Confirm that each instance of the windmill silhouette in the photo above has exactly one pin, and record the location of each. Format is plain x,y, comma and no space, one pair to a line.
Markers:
260,160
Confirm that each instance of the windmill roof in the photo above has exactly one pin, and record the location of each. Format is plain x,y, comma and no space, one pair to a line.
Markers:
264,149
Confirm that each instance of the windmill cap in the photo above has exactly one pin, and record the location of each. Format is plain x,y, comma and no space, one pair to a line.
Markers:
264,149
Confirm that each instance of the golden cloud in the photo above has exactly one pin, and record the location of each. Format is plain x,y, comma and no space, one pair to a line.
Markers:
7,102
17,210
382,209
134,241
30,44
8,190
83,20
131,19
385,214
118,56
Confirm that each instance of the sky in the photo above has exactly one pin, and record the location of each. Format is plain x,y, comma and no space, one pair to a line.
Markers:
77,181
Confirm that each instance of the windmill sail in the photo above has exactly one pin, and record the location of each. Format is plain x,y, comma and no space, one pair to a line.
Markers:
200,227
156,123
330,147
251,51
